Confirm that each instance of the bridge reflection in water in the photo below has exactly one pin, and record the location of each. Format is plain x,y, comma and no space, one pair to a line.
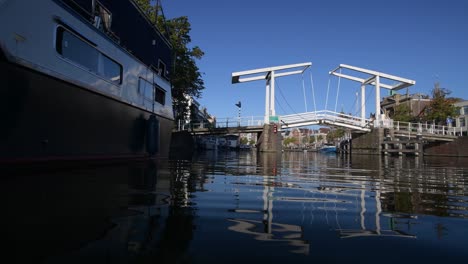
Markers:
229,207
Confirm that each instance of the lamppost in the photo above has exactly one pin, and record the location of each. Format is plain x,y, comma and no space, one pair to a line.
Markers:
238,121
239,112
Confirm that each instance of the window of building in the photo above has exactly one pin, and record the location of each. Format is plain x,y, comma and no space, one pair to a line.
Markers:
462,121
465,110
80,51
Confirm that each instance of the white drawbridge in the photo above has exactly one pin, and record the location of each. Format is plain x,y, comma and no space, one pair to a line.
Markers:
364,77
325,117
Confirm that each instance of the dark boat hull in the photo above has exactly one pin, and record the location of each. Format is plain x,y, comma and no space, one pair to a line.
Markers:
44,118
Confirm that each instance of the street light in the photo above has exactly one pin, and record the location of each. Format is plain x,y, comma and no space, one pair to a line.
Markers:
239,113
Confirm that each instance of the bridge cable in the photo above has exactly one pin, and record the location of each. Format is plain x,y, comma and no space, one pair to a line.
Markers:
354,104
278,101
280,105
282,95
303,90
367,99
313,91
328,89
338,90
357,102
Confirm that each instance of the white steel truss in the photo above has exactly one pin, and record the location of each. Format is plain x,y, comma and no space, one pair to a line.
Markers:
269,74
375,78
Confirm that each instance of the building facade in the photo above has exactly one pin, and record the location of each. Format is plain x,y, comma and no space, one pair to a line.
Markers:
417,103
462,120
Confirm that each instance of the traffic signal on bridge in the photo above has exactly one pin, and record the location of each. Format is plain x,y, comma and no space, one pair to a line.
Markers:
275,128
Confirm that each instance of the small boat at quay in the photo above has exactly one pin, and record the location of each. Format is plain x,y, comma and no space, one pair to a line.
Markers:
328,148
82,79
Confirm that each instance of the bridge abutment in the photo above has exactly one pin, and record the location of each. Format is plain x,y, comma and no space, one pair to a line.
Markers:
270,139
368,143
386,141
457,148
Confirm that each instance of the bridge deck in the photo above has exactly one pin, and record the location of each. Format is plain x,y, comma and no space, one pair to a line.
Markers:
428,132
325,117
226,130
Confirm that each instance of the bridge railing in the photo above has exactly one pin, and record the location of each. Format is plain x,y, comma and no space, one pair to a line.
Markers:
324,116
418,128
248,121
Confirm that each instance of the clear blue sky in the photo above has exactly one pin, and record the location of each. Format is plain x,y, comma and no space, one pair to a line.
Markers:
426,41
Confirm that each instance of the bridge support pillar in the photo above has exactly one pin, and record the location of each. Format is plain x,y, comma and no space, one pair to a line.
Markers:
270,139
368,143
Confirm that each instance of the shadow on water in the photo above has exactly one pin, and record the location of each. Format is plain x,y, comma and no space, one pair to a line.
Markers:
114,213
237,206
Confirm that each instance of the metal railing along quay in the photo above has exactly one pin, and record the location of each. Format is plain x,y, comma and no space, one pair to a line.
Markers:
228,122
426,128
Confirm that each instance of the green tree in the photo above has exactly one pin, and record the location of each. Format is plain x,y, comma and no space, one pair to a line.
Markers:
289,140
440,107
336,133
186,78
148,8
244,141
311,140
402,113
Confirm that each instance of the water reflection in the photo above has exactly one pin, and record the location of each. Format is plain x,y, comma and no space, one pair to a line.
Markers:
228,206
355,197
276,232
115,213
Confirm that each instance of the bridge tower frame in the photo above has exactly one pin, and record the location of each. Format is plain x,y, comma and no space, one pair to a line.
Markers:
269,74
375,79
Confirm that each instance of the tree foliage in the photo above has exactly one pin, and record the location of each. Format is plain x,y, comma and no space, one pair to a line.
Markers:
186,77
440,107
311,140
290,140
402,113
335,134
244,141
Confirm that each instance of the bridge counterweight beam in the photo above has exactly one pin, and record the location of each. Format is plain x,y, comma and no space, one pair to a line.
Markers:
269,75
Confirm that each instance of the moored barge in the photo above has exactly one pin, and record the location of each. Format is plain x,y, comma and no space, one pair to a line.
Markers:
82,79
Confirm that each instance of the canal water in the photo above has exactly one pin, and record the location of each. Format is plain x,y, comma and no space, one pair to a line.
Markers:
239,207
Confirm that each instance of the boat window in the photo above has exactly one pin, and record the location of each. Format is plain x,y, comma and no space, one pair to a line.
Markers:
162,68
75,49
160,95
145,88
103,17
111,69
149,91
78,50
